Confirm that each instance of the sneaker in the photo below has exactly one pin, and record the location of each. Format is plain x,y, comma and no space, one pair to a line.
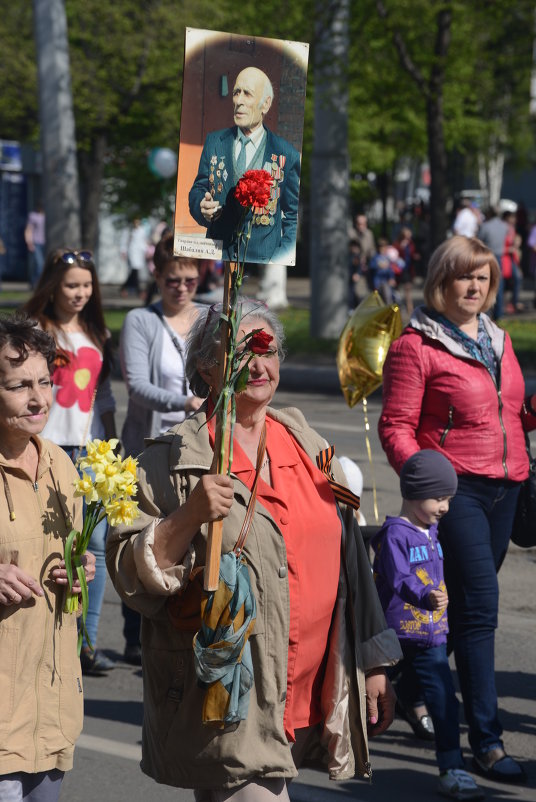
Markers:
457,784
95,663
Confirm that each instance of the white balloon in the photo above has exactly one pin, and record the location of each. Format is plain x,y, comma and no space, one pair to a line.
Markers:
165,162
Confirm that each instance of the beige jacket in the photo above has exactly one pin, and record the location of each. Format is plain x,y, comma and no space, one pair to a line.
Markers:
177,748
41,700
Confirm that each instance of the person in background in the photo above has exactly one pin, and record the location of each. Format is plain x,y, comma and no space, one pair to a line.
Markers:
67,304
408,571
511,262
452,383
41,699
531,245
493,233
319,646
367,246
467,220
354,274
35,239
383,270
157,233
134,250
405,248
153,357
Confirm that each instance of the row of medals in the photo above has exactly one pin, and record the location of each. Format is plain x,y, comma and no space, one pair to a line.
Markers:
263,217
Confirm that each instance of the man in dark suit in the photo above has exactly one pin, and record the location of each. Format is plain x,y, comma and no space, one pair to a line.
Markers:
226,155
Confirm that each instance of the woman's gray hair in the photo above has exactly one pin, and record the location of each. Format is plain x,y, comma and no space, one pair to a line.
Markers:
204,339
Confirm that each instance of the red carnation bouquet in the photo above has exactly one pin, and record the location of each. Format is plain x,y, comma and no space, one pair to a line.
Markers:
253,194
253,189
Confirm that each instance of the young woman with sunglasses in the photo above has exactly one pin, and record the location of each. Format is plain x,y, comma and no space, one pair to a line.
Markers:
153,358
67,304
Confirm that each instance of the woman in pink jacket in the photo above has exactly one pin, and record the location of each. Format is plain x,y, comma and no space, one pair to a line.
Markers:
452,383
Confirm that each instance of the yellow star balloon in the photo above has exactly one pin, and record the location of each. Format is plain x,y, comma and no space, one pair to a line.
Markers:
363,347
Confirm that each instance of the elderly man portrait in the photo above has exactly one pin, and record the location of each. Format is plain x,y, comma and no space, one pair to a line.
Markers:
227,155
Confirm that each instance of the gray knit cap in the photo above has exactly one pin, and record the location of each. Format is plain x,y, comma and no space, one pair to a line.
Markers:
427,474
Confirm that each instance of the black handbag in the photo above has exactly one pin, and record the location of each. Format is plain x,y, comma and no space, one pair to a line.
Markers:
524,528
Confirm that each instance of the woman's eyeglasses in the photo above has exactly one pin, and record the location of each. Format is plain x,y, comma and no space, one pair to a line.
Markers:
75,257
175,283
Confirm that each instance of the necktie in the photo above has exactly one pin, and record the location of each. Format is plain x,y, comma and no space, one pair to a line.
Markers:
241,160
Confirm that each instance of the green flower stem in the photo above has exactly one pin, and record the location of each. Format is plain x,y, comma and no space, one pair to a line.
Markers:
75,546
234,366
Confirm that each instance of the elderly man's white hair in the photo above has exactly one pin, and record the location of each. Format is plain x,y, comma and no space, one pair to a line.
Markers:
268,90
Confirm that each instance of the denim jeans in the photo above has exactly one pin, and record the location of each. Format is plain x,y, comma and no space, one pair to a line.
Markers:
44,786
37,264
97,545
474,535
429,670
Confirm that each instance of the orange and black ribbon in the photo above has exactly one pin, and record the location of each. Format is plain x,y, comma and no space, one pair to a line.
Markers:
341,493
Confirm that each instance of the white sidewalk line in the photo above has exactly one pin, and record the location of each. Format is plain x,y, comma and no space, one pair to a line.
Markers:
108,747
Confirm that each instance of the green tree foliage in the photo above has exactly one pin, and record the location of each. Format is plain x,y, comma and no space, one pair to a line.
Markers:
126,64
484,86
18,74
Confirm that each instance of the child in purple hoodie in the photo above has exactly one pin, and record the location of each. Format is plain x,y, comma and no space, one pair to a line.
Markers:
408,570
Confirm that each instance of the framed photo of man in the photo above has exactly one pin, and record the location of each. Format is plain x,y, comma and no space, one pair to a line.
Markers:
243,102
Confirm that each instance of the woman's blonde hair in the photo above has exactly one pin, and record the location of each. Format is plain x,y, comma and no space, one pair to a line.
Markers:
456,257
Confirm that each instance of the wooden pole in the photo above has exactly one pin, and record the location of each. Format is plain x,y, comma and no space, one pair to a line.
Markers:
215,528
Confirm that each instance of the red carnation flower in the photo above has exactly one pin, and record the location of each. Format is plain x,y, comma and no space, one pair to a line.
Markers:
253,189
260,342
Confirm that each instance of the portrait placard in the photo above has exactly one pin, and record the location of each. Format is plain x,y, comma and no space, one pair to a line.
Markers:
243,100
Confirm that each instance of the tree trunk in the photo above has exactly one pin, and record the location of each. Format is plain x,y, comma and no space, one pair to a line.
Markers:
437,155
329,174
91,174
58,140
432,92
437,152
490,174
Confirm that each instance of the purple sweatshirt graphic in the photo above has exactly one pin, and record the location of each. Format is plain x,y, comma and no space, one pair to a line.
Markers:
408,564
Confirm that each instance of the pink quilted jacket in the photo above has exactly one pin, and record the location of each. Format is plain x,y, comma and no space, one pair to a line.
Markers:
436,396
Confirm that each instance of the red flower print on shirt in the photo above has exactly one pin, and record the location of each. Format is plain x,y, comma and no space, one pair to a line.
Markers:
76,380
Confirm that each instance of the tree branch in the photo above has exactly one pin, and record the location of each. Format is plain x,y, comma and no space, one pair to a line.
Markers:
442,43
403,54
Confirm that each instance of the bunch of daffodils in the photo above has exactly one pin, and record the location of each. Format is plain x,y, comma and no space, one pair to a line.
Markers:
108,495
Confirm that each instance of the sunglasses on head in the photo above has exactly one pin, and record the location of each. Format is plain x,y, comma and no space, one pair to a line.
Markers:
175,283
74,257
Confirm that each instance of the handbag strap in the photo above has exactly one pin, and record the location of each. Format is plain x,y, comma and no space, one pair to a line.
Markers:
176,343
261,450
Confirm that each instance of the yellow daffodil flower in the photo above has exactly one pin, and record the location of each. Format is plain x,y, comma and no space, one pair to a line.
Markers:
85,487
121,511
127,486
130,465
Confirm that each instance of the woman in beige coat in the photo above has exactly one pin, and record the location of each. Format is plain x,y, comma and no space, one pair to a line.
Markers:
319,643
41,700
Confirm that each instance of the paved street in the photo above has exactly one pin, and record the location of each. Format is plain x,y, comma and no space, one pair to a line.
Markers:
108,752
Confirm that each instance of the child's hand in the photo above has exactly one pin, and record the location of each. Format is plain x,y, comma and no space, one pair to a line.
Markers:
438,599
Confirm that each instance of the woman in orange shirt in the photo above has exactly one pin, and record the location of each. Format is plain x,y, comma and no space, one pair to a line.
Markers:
319,643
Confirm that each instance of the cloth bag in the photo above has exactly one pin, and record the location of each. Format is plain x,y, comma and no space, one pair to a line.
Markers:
223,620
